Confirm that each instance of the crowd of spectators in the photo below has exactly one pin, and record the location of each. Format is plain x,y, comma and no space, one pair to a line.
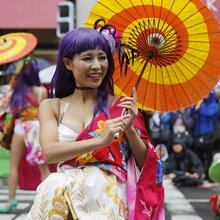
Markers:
186,139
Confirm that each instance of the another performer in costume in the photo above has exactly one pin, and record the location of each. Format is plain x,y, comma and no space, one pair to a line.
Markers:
24,102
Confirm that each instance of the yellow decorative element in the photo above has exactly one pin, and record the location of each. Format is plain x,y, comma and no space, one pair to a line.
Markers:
56,214
60,210
101,125
29,113
111,191
69,201
59,191
59,203
123,211
85,158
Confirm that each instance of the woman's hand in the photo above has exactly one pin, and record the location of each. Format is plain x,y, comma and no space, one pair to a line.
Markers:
111,127
130,105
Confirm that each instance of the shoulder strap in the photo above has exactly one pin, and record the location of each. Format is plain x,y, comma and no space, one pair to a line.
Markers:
62,110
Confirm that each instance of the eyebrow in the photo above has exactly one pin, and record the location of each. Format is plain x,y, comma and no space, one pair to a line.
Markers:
89,53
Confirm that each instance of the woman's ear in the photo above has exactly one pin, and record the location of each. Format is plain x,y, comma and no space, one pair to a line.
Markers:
67,63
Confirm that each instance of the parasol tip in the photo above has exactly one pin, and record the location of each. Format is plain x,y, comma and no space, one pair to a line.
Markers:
150,54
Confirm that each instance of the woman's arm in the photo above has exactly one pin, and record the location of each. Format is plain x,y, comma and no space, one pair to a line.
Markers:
138,146
55,151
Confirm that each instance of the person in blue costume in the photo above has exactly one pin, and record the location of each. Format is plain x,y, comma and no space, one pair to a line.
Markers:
205,115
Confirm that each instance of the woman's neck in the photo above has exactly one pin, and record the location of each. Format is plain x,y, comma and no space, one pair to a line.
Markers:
85,96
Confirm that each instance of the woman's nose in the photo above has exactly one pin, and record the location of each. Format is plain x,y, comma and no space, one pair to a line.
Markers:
96,64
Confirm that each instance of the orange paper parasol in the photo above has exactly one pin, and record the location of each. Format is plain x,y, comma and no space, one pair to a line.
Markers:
177,43
14,46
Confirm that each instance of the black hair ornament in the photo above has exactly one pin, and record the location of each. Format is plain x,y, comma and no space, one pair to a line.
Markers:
126,54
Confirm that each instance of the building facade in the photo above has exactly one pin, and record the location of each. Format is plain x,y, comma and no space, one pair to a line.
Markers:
39,17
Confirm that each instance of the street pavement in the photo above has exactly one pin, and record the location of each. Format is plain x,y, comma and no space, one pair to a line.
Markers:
189,203
186,203
25,199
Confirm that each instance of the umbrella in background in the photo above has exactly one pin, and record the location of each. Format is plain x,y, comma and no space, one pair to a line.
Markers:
15,46
174,46
46,74
14,67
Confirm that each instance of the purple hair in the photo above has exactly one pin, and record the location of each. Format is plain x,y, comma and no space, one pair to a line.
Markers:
75,42
27,78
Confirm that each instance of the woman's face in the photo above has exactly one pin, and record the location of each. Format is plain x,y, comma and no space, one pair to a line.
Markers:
89,68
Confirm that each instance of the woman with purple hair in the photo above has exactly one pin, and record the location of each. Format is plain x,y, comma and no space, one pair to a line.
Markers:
96,172
24,103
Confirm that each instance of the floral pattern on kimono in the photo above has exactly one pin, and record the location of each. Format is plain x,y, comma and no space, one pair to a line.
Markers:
30,123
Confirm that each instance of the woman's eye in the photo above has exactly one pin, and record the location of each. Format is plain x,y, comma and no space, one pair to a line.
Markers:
86,58
103,57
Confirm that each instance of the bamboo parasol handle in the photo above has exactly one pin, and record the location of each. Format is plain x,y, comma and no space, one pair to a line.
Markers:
150,55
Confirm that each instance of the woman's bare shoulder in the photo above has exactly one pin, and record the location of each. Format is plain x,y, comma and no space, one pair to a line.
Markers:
49,108
51,103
